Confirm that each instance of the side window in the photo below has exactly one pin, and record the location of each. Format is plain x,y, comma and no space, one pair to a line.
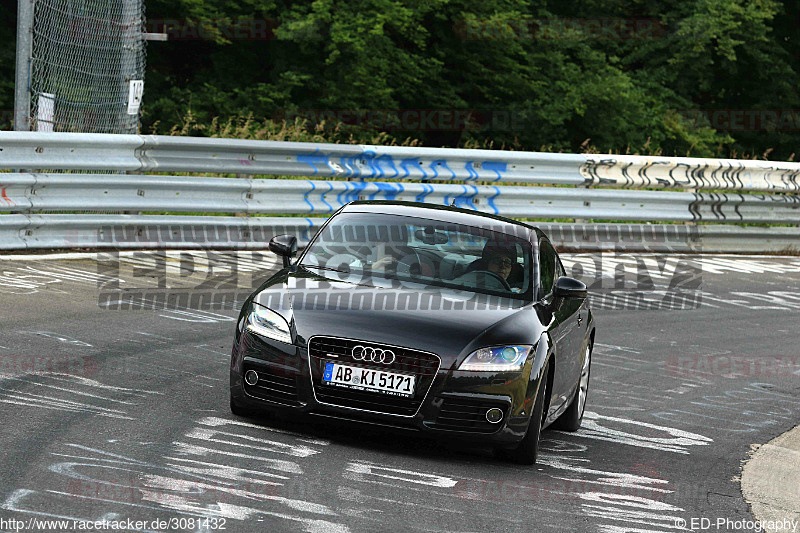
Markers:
559,268
547,268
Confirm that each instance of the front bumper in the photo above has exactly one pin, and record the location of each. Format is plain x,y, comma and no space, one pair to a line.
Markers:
449,404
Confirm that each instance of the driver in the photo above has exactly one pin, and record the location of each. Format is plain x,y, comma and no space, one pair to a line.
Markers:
498,258
500,261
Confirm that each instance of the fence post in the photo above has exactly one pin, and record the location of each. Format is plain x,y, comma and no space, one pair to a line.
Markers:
22,95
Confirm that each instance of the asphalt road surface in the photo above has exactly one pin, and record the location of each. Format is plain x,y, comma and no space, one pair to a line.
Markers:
117,413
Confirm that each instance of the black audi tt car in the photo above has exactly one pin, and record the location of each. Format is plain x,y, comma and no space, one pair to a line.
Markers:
443,320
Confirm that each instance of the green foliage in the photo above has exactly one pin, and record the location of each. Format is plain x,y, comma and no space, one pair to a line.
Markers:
8,36
635,76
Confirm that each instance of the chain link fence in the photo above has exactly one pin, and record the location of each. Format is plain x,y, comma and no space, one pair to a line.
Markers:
87,65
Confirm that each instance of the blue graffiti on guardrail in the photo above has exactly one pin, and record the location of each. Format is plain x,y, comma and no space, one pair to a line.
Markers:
443,164
305,196
406,164
426,190
351,195
389,190
304,233
498,167
490,200
473,174
369,164
317,158
322,194
465,200
322,197
349,191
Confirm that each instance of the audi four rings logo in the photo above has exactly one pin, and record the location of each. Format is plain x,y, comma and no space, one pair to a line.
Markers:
374,355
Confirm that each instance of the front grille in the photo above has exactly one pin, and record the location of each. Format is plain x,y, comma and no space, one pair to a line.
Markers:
278,389
465,414
423,365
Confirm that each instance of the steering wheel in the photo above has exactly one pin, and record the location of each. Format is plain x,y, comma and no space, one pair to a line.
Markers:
401,266
496,276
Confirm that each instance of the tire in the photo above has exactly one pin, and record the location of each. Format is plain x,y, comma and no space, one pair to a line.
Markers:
239,410
248,412
571,419
528,449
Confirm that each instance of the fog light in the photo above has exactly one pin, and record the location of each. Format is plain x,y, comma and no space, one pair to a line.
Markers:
494,415
251,377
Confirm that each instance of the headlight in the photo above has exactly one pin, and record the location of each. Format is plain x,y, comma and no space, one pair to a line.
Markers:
497,359
268,323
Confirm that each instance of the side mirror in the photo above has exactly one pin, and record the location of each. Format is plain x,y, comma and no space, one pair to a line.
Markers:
569,288
284,246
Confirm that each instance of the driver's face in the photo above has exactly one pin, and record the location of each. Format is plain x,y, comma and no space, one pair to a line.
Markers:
500,265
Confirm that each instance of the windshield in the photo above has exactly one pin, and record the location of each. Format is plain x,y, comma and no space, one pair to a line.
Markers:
428,252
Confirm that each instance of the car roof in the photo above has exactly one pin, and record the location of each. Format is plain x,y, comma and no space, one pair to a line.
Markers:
442,213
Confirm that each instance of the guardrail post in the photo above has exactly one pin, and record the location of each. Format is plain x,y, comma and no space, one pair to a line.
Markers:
586,203
249,195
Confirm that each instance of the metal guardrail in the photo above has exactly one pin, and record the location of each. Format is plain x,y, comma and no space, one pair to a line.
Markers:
636,171
31,193
18,232
76,151
374,172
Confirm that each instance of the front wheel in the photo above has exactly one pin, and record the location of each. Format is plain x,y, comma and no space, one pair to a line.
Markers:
238,410
571,419
528,449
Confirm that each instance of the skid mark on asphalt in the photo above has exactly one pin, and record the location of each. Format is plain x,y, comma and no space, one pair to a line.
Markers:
624,281
364,468
620,360
771,300
618,501
65,392
30,279
636,433
739,408
758,265
615,501
197,316
417,499
564,473
60,337
240,471
746,409
204,476
158,371
175,312
663,266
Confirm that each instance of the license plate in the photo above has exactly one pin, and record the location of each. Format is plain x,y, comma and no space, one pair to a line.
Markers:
352,377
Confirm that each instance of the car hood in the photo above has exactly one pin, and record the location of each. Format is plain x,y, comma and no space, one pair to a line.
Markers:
449,323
